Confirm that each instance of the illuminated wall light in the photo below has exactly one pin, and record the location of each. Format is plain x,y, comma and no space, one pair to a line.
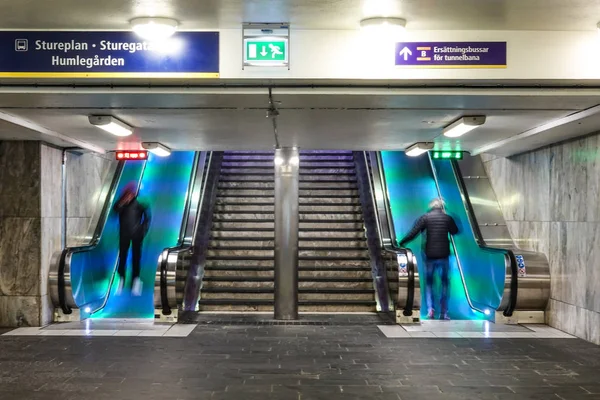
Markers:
157,148
111,125
417,149
384,25
154,29
463,125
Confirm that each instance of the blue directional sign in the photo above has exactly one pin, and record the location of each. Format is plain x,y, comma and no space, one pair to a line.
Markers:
42,54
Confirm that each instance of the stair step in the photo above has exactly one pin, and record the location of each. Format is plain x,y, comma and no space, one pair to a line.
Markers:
326,193
242,185
318,234
247,194
269,272
266,279
315,158
328,185
246,225
251,302
226,253
271,268
240,262
260,216
230,257
341,264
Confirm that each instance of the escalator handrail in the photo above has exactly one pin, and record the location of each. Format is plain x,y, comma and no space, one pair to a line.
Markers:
514,279
387,237
182,244
68,251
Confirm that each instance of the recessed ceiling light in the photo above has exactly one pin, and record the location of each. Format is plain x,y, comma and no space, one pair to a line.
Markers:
463,125
111,125
417,149
154,29
384,24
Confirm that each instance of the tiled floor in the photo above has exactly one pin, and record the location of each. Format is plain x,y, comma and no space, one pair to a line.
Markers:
108,327
223,361
472,329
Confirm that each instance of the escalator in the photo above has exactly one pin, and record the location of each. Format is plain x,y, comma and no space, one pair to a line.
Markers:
85,277
483,279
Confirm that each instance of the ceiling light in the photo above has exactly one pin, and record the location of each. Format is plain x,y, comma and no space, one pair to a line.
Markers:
463,125
417,149
157,148
154,29
111,125
385,24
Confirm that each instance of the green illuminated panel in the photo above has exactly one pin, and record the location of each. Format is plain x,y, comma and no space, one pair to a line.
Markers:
411,187
164,188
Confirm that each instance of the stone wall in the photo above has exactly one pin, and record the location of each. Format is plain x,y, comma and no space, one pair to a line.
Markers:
550,199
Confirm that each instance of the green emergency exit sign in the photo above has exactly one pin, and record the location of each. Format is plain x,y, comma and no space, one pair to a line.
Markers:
266,52
447,155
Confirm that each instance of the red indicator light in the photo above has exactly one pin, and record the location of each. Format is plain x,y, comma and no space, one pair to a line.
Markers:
131,155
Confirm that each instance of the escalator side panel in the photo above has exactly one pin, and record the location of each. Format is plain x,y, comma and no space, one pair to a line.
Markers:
484,270
91,271
164,188
411,187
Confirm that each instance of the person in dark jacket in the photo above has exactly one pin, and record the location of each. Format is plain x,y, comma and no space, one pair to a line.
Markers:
437,225
134,221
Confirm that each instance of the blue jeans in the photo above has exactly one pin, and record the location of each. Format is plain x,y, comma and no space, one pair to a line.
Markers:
431,266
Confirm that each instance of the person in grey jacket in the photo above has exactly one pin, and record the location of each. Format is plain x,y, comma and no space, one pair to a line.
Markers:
134,222
438,226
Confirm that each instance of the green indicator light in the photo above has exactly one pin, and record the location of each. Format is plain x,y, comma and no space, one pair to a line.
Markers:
436,154
446,154
458,155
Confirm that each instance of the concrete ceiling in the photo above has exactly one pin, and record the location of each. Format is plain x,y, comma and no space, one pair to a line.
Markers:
367,119
306,14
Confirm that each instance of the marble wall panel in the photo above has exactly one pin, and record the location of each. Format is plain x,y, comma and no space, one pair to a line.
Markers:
568,187
51,181
530,235
19,256
20,179
561,192
506,177
86,173
77,231
535,185
592,159
16,311
51,229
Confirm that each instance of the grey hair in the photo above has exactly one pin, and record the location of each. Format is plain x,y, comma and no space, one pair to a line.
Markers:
437,203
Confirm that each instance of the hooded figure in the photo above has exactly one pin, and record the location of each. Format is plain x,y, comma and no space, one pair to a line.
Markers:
438,226
134,222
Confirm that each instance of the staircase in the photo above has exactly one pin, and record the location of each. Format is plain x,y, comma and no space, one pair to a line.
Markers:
334,269
240,259
335,273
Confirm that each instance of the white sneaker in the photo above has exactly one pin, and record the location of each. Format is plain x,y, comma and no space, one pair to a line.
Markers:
120,287
136,290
